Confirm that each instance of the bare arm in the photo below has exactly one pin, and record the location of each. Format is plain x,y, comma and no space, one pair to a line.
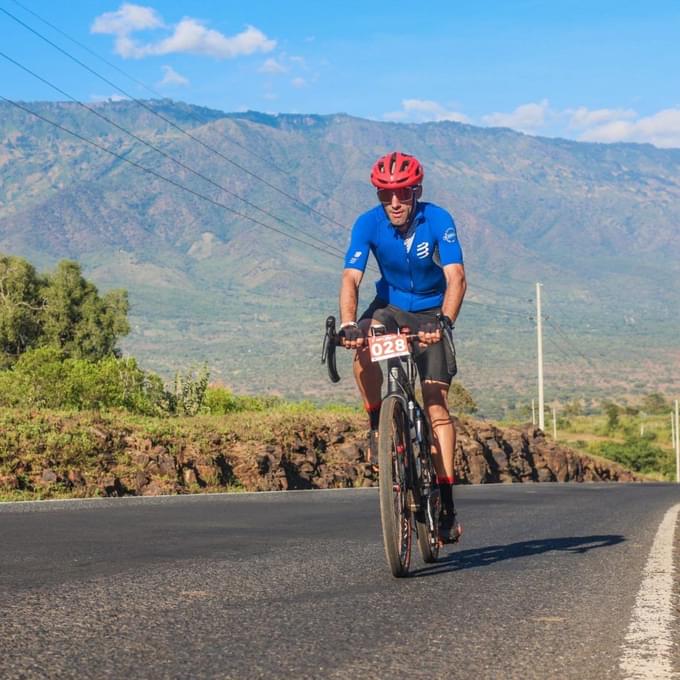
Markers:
455,290
349,294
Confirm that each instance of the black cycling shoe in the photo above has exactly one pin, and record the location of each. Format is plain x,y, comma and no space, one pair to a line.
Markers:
372,452
450,529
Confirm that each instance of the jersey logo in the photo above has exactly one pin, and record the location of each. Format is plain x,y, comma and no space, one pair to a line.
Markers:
423,250
355,257
450,235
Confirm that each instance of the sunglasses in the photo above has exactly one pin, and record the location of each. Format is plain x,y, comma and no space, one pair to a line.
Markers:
404,194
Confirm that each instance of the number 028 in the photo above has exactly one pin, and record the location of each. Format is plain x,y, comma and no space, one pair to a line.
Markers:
387,346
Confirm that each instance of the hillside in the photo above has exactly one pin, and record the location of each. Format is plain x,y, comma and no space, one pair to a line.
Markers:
595,223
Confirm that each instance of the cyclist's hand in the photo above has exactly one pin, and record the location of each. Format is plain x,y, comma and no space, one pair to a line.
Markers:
351,337
429,333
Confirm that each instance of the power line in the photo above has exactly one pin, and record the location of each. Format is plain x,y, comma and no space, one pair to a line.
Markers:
166,179
147,87
566,338
211,200
179,128
169,156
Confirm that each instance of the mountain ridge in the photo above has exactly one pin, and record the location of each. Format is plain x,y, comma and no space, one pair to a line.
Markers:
595,222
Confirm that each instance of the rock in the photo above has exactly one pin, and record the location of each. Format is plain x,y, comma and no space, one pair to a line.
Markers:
140,458
109,485
76,478
141,480
49,476
208,474
189,477
350,452
155,488
9,482
166,464
263,463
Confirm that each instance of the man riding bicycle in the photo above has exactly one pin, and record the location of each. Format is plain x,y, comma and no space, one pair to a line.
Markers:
422,276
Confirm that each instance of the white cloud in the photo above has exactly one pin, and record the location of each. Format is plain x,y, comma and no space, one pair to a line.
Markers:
188,36
273,67
661,129
298,82
171,77
127,19
422,111
526,118
585,118
192,37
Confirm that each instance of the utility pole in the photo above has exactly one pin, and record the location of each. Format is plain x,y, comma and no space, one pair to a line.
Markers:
554,424
677,443
539,334
533,413
673,430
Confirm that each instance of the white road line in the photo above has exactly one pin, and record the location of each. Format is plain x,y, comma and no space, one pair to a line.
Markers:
649,642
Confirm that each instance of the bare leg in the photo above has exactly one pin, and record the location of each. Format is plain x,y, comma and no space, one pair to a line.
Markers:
444,433
443,446
367,374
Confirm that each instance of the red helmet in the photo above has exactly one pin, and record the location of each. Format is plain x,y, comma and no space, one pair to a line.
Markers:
396,170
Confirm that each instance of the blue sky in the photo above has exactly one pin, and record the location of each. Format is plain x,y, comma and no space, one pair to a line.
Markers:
594,70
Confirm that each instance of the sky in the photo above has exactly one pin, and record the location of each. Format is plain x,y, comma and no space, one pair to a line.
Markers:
590,70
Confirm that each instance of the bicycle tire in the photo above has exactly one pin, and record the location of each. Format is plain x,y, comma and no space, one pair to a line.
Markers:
427,539
395,514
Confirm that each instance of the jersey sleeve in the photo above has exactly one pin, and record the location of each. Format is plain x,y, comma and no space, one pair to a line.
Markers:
450,251
359,244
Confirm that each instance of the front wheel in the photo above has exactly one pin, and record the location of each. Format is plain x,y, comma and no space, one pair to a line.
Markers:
395,514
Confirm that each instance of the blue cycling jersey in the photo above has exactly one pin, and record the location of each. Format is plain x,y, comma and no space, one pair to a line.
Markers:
412,277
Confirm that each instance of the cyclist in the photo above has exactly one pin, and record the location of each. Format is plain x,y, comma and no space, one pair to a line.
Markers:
421,263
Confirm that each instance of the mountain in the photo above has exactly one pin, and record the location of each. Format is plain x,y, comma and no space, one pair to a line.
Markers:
595,223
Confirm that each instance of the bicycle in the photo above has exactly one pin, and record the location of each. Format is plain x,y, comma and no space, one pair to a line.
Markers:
409,497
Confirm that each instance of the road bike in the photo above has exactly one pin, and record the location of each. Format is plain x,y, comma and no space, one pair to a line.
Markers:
409,497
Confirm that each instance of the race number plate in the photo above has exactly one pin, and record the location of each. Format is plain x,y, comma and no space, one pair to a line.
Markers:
385,347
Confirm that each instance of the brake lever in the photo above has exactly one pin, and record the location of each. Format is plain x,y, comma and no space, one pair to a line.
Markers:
447,332
330,342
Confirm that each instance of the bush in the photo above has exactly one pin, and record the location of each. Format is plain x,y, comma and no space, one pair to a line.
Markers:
44,378
461,401
220,400
189,392
636,453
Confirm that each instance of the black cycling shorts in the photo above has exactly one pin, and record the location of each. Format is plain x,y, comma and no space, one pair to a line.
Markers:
434,362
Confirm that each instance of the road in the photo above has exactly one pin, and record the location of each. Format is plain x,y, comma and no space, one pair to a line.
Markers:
295,585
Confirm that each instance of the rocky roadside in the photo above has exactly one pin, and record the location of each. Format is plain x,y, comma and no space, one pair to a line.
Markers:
308,451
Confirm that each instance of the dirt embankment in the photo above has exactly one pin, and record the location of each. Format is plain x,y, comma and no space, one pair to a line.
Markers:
84,455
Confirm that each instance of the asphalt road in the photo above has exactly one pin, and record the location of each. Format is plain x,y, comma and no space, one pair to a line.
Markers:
295,585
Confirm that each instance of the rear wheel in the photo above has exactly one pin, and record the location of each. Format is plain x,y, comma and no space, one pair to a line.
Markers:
426,527
395,514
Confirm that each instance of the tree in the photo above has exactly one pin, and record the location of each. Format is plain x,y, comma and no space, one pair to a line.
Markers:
655,403
460,400
612,410
20,306
573,408
77,320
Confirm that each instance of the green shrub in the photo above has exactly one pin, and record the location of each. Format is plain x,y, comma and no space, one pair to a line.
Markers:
189,392
636,453
44,378
220,401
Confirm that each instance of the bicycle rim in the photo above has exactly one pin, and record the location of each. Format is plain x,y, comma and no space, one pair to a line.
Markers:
395,514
